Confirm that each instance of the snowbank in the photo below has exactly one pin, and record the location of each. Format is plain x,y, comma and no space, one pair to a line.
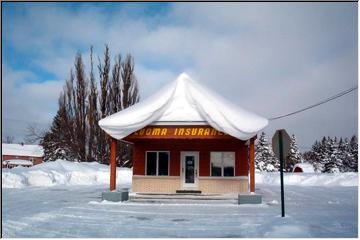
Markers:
308,179
62,172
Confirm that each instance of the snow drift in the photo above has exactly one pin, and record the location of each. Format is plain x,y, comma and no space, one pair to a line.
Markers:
61,172
184,100
308,179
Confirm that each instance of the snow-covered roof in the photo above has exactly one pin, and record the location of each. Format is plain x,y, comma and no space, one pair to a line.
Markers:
18,162
306,167
22,150
184,101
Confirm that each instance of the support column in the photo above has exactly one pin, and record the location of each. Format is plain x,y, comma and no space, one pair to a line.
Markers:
113,164
252,164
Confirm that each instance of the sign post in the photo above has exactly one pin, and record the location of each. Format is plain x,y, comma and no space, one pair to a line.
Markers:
281,148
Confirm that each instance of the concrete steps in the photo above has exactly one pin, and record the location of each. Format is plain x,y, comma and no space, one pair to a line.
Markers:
183,198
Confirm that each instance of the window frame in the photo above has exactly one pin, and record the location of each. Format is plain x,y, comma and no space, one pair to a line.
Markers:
222,164
157,163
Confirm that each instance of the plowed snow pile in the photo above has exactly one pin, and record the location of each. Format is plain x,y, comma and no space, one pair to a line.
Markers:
61,172
308,179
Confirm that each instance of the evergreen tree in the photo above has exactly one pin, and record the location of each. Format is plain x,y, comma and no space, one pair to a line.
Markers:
345,155
354,152
294,155
329,155
324,153
314,156
265,159
55,142
334,163
341,154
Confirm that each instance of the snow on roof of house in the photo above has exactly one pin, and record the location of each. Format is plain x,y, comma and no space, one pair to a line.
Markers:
184,101
22,150
306,167
18,162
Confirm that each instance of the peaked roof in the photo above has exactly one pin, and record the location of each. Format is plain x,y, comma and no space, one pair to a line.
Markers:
184,101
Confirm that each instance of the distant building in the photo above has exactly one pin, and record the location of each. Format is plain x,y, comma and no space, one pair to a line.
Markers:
21,155
303,167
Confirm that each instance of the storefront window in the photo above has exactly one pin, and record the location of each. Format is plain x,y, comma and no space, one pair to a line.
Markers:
157,163
216,163
151,163
229,163
163,164
222,164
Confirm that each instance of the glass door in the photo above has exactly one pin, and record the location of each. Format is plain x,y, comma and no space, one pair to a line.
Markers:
189,169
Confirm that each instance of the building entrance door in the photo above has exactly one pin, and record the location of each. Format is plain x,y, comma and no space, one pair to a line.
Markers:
189,169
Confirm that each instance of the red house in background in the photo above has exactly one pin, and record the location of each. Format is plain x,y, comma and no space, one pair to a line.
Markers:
186,138
21,155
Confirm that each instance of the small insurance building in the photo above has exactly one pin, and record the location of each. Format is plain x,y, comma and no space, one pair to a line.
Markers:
187,138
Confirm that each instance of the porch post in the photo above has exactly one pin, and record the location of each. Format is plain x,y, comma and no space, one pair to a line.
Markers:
252,165
113,164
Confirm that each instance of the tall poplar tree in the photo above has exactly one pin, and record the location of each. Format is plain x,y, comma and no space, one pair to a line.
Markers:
75,133
104,100
92,113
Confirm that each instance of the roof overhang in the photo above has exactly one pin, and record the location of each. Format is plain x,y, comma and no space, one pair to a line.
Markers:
185,102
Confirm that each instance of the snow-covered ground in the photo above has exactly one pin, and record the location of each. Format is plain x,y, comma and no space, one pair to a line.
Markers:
66,202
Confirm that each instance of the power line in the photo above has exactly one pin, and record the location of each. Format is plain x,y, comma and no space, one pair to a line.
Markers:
271,119
317,104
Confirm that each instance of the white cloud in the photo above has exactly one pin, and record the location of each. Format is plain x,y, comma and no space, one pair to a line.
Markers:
268,57
27,102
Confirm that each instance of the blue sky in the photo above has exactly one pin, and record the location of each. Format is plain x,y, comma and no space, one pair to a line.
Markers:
21,60
271,58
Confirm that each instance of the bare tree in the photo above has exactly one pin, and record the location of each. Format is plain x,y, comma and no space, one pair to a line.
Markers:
104,100
34,133
75,133
104,70
130,96
92,112
8,139
130,93
115,90
80,107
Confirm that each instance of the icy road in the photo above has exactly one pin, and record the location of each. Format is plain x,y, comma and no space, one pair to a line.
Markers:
77,211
